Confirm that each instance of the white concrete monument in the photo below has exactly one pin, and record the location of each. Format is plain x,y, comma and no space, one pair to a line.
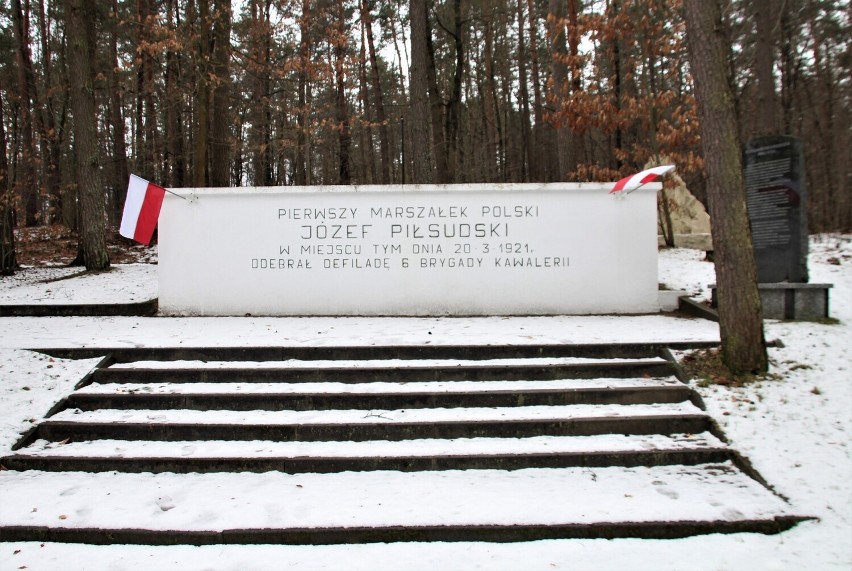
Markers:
417,250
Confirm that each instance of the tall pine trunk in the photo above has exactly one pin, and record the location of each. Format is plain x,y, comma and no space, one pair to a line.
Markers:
526,158
8,258
79,17
116,122
766,14
202,92
344,135
439,145
419,93
220,130
26,180
489,101
740,320
175,162
455,152
50,133
559,69
302,162
536,170
378,98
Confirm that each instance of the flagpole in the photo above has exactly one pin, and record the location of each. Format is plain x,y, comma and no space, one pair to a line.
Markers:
176,194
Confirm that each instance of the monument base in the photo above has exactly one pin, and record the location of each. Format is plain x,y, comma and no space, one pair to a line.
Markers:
791,301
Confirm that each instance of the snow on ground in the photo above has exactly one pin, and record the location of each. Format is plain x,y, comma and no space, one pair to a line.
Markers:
31,383
127,283
795,428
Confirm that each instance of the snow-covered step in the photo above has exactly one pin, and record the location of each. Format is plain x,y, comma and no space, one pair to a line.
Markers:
359,425
323,396
353,507
369,350
394,364
407,455
373,416
383,370
376,387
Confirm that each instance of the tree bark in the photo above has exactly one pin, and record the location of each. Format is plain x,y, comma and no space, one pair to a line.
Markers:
419,93
489,101
524,96
8,258
146,108
536,172
302,168
51,136
740,320
202,94
26,181
116,122
378,97
344,134
766,15
220,130
455,153
559,52
368,173
90,188
439,146
175,163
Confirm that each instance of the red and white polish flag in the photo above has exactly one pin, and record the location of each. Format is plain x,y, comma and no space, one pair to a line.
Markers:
631,183
141,209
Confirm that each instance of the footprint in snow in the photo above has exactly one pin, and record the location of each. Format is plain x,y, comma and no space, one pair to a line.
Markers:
661,488
165,503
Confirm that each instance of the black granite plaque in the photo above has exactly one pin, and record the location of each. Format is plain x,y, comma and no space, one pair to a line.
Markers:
775,185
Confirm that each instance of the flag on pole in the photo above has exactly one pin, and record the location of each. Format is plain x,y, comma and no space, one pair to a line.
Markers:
631,183
141,209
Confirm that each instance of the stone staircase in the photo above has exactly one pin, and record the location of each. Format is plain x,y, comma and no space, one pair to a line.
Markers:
323,445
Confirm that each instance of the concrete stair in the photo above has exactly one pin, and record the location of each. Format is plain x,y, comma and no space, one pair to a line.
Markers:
426,443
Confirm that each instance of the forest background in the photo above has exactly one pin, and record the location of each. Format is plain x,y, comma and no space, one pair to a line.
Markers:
191,93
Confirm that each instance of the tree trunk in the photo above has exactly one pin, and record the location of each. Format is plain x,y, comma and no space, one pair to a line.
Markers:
175,164
524,96
50,134
455,153
439,146
26,180
202,95
368,174
618,89
344,134
302,150
8,259
536,172
766,17
740,321
146,110
489,101
90,188
559,70
378,98
220,130
116,122
575,67
260,115
419,93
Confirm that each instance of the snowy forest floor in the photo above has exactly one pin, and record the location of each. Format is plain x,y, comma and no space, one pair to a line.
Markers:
794,425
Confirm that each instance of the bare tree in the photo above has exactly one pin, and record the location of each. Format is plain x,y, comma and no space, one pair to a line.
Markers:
220,120
419,92
8,260
79,17
27,180
740,319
